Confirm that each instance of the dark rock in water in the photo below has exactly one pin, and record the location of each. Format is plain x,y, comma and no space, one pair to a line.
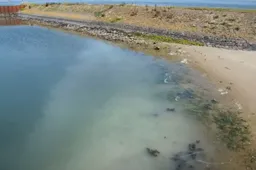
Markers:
214,101
170,109
165,137
188,160
192,147
157,48
153,152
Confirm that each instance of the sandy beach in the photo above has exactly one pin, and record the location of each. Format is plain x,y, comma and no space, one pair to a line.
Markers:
230,68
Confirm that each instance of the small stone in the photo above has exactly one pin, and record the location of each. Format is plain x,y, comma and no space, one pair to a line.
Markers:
153,152
191,147
157,48
228,88
214,101
170,109
198,141
165,137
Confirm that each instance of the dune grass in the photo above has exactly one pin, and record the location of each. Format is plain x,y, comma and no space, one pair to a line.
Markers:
160,38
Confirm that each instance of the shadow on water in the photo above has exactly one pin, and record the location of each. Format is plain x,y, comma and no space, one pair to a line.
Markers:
76,103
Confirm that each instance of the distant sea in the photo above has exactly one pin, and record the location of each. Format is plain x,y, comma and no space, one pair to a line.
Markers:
244,4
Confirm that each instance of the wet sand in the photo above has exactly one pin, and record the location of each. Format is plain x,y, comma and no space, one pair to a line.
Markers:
229,68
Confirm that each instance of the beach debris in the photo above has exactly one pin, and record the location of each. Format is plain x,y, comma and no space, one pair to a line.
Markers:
227,68
184,61
239,106
172,54
157,48
177,98
222,91
170,109
166,80
153,152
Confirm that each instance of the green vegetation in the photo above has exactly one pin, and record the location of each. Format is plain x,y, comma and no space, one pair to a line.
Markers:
160,38
99,14
117,19
233,130
102,13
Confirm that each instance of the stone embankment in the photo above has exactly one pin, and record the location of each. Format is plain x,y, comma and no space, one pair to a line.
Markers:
125,33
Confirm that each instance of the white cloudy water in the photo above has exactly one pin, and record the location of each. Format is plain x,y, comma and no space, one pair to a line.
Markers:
102,112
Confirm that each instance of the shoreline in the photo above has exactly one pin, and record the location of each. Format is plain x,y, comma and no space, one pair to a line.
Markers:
125,37
202,58
124,31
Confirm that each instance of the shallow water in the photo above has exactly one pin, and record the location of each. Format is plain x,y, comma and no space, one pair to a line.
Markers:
69,102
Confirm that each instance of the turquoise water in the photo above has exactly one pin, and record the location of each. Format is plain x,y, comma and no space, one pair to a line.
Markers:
73,103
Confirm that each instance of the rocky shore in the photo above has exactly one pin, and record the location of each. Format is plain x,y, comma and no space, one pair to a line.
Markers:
126,33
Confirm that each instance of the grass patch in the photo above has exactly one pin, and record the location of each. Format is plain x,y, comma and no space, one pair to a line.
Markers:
117,19
99,14
233,130
102,13
160,38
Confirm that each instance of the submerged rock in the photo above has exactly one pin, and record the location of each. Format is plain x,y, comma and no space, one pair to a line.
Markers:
153,152
214,101
188,159
157,48
170,109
